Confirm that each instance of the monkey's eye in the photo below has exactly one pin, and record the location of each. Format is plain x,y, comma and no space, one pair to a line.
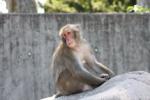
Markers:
68,33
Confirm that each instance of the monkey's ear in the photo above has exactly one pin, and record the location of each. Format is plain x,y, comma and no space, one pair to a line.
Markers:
61,32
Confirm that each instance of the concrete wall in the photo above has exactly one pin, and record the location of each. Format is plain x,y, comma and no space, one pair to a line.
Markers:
27,41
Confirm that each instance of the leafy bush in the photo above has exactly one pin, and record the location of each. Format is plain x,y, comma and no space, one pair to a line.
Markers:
72,6
138,9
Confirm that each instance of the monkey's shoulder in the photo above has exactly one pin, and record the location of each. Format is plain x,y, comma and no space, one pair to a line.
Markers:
60,55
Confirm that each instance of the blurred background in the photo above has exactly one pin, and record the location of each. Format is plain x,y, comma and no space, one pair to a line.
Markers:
74,6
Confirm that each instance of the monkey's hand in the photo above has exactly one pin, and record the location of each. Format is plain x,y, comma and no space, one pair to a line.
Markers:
105,76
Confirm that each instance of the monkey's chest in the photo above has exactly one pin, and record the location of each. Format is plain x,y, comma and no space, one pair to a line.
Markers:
82,58
84,55
86,60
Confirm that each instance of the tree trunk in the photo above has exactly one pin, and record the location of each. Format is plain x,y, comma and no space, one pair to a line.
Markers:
144,3
21,6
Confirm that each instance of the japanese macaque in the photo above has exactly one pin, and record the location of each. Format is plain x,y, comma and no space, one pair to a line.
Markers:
74,67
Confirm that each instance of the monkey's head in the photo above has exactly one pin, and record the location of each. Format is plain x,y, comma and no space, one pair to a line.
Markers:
70,35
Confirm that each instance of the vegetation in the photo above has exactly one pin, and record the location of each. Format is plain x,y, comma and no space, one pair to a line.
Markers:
72,6
138,9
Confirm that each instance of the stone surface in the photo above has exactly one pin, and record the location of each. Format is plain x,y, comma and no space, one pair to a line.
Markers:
129,86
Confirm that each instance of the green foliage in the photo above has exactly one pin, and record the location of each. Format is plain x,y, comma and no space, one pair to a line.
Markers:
72,6
57,6
138,9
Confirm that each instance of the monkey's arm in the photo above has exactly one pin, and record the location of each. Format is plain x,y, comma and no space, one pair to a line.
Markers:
100,65
104,68
83,74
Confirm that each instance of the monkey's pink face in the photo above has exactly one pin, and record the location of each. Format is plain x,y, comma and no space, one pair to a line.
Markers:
69,38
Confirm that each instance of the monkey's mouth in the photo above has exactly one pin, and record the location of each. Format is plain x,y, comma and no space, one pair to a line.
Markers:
70,44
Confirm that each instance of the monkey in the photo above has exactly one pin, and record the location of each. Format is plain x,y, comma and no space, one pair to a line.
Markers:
74,67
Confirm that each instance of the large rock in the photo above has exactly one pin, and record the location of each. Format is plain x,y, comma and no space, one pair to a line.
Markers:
129,86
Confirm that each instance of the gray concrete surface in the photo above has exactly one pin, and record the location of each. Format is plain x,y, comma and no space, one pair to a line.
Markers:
27,41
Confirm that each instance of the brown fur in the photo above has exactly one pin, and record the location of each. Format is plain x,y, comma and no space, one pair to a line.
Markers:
75,69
